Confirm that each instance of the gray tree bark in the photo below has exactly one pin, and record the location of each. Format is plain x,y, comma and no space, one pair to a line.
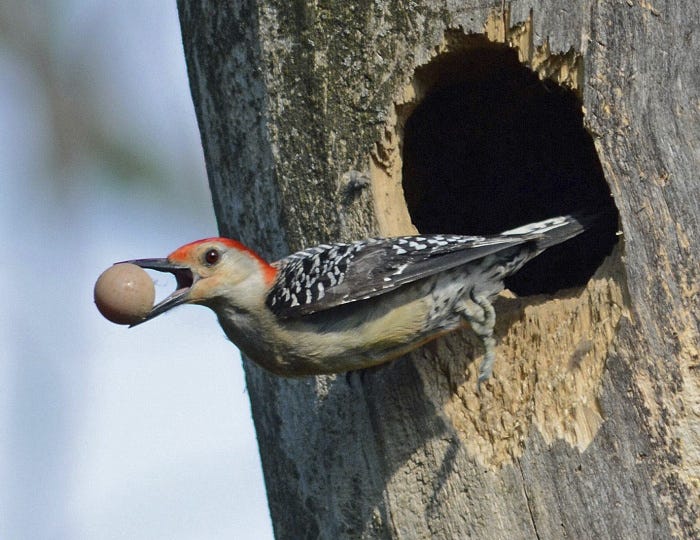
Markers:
588,430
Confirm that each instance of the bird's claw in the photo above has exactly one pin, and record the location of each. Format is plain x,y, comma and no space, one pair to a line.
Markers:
486,367
483,327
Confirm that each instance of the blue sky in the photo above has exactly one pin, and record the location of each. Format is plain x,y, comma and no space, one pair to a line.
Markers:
109,432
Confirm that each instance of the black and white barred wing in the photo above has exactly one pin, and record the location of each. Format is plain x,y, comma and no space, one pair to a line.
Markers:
327,276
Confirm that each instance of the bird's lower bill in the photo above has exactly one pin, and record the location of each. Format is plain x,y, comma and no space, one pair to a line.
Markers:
184,278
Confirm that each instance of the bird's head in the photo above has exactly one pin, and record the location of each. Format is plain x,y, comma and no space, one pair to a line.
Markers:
212,271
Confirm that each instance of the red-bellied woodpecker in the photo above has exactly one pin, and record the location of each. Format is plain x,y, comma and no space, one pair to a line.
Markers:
340,307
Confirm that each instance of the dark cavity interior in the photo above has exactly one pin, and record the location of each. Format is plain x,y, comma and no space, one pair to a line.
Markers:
492,147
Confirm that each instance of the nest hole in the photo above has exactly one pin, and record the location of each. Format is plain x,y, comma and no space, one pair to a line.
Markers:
491,147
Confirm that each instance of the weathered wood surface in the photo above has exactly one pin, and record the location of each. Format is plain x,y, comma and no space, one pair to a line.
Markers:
291,98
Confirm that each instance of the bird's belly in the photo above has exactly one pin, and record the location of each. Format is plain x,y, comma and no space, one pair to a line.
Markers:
356,335
365,336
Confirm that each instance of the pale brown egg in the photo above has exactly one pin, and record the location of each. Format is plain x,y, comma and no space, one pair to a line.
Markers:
124,293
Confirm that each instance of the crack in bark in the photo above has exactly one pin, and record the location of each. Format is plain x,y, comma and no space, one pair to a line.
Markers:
527,499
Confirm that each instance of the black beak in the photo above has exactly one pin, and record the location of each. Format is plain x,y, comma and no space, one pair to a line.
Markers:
183,276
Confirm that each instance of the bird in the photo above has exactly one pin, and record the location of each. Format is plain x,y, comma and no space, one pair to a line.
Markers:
341,307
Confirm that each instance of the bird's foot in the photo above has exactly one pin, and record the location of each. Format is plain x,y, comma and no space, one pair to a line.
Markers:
483,324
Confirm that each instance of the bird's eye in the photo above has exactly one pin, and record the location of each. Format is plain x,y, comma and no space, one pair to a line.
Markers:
212,256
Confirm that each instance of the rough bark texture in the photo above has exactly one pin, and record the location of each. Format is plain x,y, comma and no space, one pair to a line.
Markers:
294,98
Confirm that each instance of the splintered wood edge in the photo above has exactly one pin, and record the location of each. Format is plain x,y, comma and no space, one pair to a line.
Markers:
551,353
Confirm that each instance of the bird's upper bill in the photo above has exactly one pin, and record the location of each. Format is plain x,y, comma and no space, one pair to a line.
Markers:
184,277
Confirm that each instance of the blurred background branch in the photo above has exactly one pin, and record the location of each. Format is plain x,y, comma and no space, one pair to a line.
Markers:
108,432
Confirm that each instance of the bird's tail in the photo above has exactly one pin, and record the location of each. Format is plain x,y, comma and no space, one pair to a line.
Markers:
556,230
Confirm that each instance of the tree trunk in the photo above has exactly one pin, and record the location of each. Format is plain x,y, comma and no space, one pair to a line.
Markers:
340,120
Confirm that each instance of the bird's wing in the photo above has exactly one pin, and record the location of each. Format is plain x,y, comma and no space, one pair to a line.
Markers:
327,276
